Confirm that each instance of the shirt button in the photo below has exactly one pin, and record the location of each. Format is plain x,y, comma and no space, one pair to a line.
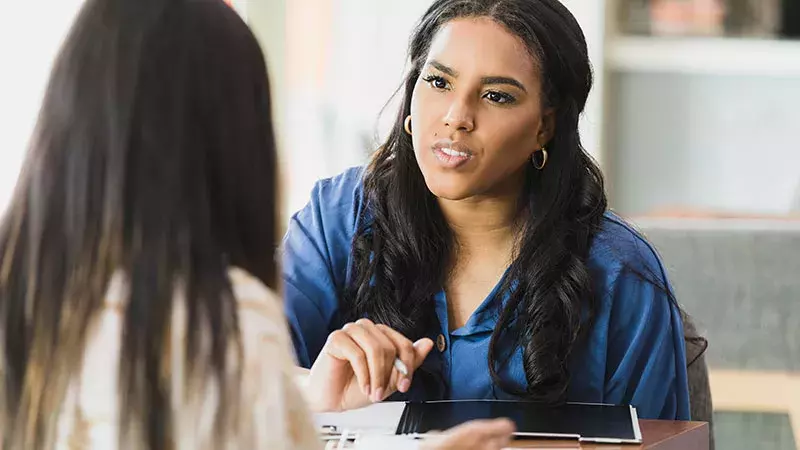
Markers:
441,343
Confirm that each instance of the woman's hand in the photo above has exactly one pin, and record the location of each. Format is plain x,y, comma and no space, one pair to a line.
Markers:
476,435
356,366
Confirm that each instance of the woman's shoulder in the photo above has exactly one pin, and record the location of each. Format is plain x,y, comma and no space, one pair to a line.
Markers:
622,261
620,247
260,308
247,288
345,183
340,193
334,208
630,281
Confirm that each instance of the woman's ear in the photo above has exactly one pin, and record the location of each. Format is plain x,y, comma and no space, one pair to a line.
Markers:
547,128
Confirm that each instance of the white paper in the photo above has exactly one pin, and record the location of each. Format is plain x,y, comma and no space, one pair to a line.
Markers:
380,418
376,442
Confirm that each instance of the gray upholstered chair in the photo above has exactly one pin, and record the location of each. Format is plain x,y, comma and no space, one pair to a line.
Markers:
738,279
702,408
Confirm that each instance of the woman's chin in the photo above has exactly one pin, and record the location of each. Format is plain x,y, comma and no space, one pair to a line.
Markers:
450,191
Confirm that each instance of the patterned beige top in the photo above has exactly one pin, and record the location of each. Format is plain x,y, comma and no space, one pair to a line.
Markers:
272,414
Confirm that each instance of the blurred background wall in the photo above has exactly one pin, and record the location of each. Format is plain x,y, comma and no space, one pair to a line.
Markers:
694,106
30,34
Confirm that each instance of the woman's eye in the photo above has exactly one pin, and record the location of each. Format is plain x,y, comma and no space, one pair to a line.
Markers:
499,97
436,82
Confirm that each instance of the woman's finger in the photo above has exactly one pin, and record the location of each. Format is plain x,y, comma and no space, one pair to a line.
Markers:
482,434
380,355
497,432
422,348
341,346
406,354
391,375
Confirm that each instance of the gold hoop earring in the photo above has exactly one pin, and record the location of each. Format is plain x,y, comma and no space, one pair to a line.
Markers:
541,165
407,125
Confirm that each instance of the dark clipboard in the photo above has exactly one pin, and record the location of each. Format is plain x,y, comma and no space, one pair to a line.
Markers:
585,422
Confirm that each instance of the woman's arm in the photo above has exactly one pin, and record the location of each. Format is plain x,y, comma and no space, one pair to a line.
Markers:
646,360
315,256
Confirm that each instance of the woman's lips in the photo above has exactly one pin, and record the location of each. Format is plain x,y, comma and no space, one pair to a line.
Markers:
451,155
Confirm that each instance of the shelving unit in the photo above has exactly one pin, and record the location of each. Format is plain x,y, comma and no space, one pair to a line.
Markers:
711,56
698,123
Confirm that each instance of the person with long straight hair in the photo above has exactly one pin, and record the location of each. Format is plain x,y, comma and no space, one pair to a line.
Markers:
148,187
137,258
481,224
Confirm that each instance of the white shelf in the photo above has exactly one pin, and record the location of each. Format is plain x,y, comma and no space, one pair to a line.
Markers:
707,56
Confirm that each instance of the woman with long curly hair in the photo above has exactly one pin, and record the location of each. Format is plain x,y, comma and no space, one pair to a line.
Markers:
481,228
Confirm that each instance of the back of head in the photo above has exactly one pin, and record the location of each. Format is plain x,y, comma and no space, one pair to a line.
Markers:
153,156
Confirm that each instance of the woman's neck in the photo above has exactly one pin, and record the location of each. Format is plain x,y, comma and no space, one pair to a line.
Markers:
482,224
484,234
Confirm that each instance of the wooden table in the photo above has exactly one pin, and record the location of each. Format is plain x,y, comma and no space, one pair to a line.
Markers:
656,435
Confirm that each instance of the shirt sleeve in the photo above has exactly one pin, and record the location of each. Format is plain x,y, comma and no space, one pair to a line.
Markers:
646,361
316,251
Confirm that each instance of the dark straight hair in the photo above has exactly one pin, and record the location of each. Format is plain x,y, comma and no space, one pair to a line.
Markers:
153,157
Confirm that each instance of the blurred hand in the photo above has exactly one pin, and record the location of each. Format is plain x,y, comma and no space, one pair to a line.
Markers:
476,435
356,366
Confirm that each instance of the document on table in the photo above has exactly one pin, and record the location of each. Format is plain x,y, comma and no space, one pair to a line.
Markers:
380,418
367,428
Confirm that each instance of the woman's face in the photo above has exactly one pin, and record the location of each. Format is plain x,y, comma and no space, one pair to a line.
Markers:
477,112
